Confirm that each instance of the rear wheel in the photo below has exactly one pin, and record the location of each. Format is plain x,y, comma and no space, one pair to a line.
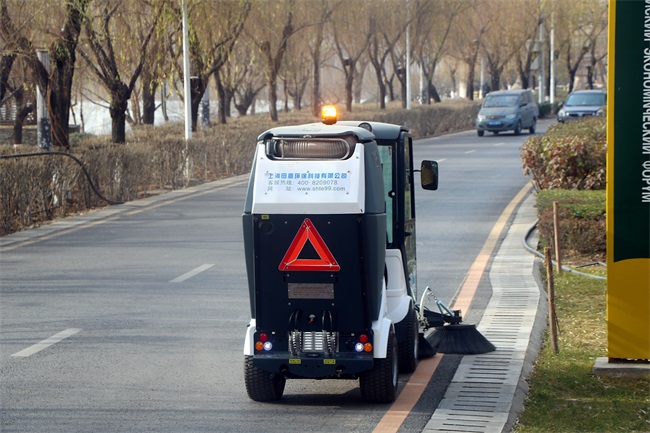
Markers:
379,385
262,385
408,341
518,128
480,133
532,127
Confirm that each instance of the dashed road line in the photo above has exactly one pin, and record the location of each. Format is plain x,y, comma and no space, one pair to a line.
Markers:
191,273
46,343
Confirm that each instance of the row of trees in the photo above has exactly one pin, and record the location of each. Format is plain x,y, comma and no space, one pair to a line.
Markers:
122,51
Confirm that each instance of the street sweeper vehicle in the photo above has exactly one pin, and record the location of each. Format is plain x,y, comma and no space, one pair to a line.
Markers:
329,234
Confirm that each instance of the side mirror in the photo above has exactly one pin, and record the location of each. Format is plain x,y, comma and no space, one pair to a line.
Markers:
429,175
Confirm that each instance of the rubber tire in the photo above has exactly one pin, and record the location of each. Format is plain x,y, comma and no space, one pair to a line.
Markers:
480,133
532,127
408,341
262,385
379,385
518,128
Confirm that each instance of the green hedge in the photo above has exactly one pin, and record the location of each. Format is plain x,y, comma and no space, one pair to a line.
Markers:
155,159
582,221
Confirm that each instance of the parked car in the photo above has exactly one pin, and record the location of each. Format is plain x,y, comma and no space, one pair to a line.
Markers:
582,103
507,110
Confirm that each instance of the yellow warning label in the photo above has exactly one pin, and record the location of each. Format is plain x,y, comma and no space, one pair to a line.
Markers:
295,361
329,361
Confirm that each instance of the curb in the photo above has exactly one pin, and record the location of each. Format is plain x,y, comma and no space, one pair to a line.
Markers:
488,391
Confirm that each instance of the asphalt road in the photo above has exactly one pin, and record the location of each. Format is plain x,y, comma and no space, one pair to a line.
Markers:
140,310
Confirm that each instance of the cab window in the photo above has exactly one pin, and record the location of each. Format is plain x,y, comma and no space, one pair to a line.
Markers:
386,155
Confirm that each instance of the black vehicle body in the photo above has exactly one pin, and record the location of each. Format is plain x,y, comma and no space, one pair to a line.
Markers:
329,233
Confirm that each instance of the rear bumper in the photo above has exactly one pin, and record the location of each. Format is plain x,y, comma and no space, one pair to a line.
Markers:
342,365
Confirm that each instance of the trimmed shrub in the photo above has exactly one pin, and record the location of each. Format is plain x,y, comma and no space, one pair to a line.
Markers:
572,155
583,222
156,159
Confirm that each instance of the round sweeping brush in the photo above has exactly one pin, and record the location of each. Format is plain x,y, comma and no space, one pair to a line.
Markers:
461,339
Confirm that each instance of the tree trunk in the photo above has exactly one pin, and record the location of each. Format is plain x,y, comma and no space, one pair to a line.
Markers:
149,102
120,95
349,81
228,95
197,89
62,61
59,91
22,111
433,92
221,99
315,92
470,84
273,97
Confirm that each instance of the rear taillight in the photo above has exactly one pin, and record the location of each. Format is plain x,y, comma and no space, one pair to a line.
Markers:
363,345
263,343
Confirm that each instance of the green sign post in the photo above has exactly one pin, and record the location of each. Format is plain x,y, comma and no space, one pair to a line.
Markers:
628,181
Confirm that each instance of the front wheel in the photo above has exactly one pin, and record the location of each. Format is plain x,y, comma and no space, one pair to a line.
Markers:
262,385
379,385
480,133
518,128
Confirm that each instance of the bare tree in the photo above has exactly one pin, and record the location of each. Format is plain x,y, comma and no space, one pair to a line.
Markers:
245,80
316,46
467,40
272,39
296,71
501,41
578,26
525,28
386,29
56,84
110,35
14,85
351,34
211,43
430,42
240,80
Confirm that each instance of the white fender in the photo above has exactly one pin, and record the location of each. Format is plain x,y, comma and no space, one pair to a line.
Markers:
381,330
249,343
396,292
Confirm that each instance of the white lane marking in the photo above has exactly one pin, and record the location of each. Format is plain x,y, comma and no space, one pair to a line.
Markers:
46,343
498,144
470,151
191,273
443,159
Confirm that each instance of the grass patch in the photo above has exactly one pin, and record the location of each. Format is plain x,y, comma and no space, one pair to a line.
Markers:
564,394
583,204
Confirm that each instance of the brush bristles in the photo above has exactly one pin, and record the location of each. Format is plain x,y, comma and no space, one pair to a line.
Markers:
460,339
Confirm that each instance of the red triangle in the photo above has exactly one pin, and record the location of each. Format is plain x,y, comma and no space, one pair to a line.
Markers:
308,232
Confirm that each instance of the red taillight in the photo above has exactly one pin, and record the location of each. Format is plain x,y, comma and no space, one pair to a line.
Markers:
263,342
363,338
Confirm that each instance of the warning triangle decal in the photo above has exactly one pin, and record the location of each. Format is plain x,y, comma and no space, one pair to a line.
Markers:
307,232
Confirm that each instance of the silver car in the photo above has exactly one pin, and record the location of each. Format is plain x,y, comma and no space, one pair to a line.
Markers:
507,110
582,103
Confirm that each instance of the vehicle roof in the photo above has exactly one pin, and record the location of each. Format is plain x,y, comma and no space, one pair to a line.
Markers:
508,92
378,130
589,91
